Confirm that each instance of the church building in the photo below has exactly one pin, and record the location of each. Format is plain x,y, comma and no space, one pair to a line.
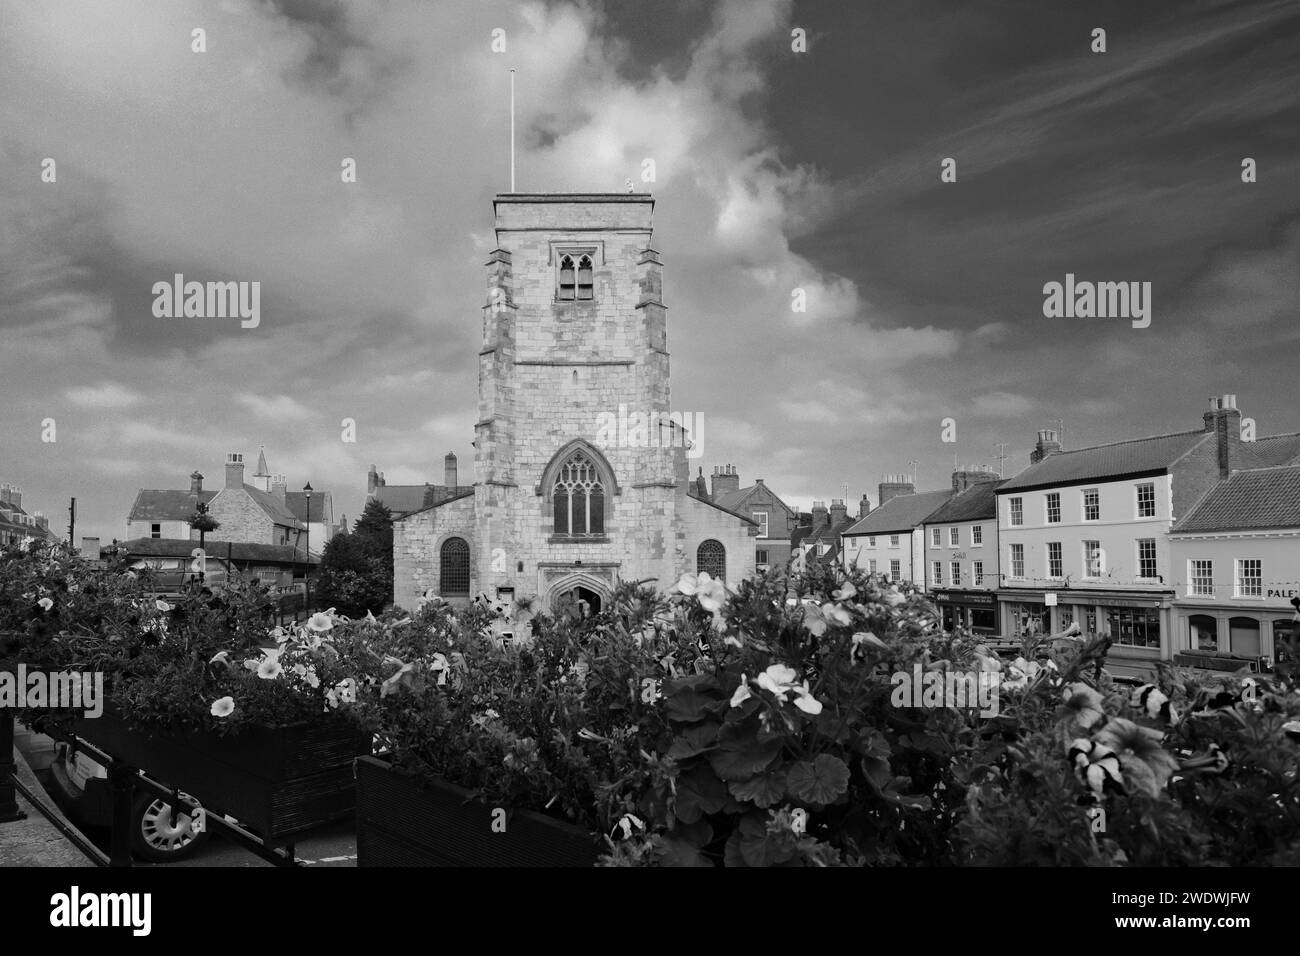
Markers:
580,464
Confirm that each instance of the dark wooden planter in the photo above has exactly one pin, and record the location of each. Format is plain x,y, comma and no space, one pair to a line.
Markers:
403,820
1217,662
274,781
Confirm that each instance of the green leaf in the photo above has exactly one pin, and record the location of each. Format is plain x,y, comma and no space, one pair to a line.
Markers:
694,741
699,792
821,781
686,705
677,852
760,847
763,790
743,764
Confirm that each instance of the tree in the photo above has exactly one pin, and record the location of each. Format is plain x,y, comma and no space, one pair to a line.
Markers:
356,570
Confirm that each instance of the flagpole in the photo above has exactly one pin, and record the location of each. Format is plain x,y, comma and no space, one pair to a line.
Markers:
512,130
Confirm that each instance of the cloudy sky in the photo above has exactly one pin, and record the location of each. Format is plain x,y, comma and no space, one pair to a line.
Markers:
775,170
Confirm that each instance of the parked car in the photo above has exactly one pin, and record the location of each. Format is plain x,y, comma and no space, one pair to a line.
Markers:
158,833
172,575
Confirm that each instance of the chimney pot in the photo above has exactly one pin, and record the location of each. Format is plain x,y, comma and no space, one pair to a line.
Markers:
449,470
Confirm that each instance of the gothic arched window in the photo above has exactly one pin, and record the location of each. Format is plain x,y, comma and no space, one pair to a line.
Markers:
711,556
578,497
585,288
453,568
566,277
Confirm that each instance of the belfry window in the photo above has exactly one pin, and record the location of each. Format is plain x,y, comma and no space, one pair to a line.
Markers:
585,287
579,497
566,278
576,278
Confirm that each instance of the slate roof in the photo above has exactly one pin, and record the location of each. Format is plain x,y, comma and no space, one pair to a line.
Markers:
297,503
979,502
238,550
1133,457
403,499
156,505
441,495
901,513
1257,499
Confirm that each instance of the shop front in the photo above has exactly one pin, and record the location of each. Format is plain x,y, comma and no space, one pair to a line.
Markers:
1136,623
1239,628
975,610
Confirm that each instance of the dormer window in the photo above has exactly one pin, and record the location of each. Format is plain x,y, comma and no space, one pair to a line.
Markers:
576,278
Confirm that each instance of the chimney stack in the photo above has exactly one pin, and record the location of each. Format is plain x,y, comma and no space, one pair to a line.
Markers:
968,475
372,480
15,496
280,487
864,506
449,470
234,471
4,493
1227,432
895,485
1049,443
839,510
725,479
820,516
196,484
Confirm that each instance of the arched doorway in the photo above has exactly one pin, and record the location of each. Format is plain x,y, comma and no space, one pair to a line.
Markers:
577,595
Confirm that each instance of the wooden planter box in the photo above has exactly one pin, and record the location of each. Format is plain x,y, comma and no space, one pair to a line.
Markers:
1217,662
274,781
403,820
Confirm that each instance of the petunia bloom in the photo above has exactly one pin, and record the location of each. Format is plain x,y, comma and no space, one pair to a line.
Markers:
270,668
320,622
223,707
45,603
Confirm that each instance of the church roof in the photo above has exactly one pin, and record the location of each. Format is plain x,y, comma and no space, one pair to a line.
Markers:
437,501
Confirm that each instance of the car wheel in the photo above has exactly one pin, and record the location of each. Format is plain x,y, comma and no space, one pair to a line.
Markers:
161,835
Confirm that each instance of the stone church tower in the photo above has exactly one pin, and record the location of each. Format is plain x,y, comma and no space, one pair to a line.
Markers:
580,465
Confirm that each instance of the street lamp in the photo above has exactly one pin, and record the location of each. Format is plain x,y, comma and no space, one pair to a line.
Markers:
306,573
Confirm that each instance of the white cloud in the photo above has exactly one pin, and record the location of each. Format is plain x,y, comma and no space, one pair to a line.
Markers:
104,395
274,407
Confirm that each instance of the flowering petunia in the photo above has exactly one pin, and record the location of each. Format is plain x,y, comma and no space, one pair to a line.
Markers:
1146,764
844,591
162,605
270,668
320,621
45,603
1095,765
223,707
1084,704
